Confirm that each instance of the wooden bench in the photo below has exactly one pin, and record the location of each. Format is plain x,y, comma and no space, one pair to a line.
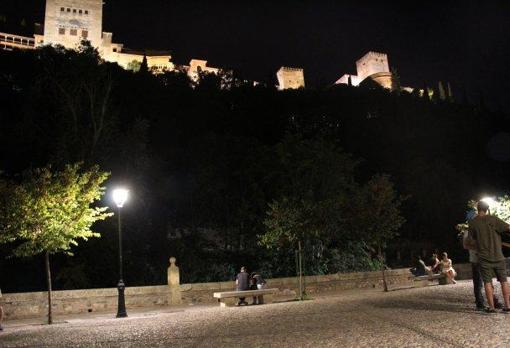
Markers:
229,298
422,281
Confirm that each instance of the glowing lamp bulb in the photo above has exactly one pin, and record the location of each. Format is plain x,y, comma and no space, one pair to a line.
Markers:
120,197
489,200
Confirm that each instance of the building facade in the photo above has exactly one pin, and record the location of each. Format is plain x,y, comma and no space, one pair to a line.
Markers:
68,22
373,65
290,78
197,66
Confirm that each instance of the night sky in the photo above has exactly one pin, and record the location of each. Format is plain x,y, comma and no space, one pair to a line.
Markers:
464,42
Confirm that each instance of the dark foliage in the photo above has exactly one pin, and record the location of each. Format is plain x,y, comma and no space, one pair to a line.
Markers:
202,163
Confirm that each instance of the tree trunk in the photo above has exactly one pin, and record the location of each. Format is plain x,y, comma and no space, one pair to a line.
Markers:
48,279
381,259
300,260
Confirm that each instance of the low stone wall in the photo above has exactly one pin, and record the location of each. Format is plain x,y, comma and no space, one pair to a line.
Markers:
463,271
34,304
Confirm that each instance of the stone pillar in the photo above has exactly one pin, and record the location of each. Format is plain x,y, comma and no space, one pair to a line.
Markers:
174,283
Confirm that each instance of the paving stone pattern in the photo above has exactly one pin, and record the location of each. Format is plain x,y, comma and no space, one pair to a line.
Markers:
435,316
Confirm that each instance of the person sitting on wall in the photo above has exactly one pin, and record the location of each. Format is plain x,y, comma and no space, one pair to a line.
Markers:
447,268
435,266
420,268
242,284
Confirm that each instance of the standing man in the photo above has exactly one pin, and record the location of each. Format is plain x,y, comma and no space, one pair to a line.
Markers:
242,284
477,276
484,236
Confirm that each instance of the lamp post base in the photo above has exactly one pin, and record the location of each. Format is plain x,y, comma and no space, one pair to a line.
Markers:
121,307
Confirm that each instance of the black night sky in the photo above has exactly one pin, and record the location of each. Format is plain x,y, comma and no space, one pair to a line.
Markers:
466,43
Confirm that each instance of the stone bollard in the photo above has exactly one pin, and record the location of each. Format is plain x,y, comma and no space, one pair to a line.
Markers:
174,283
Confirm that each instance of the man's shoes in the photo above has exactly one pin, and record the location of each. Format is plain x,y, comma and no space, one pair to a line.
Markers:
506,310
480,308
498,305
490,310
1,328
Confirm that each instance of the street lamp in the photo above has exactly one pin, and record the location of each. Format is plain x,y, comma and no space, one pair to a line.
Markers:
120,197
491,202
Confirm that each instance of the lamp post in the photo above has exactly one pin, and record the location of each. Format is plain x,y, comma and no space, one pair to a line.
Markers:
120,197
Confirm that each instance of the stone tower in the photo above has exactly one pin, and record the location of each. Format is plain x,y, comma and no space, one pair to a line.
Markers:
372,63
292,78
67,22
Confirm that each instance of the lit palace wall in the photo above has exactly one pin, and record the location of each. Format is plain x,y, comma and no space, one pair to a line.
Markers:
372,63
67,22
290,78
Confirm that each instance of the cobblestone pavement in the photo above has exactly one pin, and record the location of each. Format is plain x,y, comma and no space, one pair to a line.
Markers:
435,316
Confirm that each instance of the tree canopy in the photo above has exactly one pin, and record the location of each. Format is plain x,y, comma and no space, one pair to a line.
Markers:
50,211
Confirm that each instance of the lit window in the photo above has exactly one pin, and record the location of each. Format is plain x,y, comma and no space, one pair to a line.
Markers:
84,34
73,32
61,31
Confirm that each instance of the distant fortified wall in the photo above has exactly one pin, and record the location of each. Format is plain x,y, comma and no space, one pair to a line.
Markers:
290,78
372,65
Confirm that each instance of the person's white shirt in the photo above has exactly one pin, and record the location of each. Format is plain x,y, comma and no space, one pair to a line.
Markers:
473,255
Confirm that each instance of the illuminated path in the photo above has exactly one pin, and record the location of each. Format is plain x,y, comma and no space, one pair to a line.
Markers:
440,316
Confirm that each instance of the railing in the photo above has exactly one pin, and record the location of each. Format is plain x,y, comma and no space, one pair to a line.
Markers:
11,41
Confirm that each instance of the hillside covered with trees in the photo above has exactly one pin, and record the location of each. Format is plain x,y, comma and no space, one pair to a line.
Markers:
224,173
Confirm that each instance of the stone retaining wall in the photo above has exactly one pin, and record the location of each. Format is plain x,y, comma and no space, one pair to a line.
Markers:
34,304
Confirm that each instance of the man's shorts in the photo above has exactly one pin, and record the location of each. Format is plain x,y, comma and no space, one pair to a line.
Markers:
491,269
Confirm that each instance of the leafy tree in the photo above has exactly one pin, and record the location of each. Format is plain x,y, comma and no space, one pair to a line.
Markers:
395,81
77,88
314,179
48,212
378,216
134,65
500,207
290,223
441,91
450,93
144,66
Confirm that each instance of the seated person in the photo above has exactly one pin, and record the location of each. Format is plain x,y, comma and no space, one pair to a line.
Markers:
447,268
420,269
253,286
435,266
242,284
261,283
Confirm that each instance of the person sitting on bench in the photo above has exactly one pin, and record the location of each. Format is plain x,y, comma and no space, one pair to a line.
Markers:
242,284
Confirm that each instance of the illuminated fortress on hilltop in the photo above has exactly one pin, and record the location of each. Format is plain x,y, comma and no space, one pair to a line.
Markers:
68,22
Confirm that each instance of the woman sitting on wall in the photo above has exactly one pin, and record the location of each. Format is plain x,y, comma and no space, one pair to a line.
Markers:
447,268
